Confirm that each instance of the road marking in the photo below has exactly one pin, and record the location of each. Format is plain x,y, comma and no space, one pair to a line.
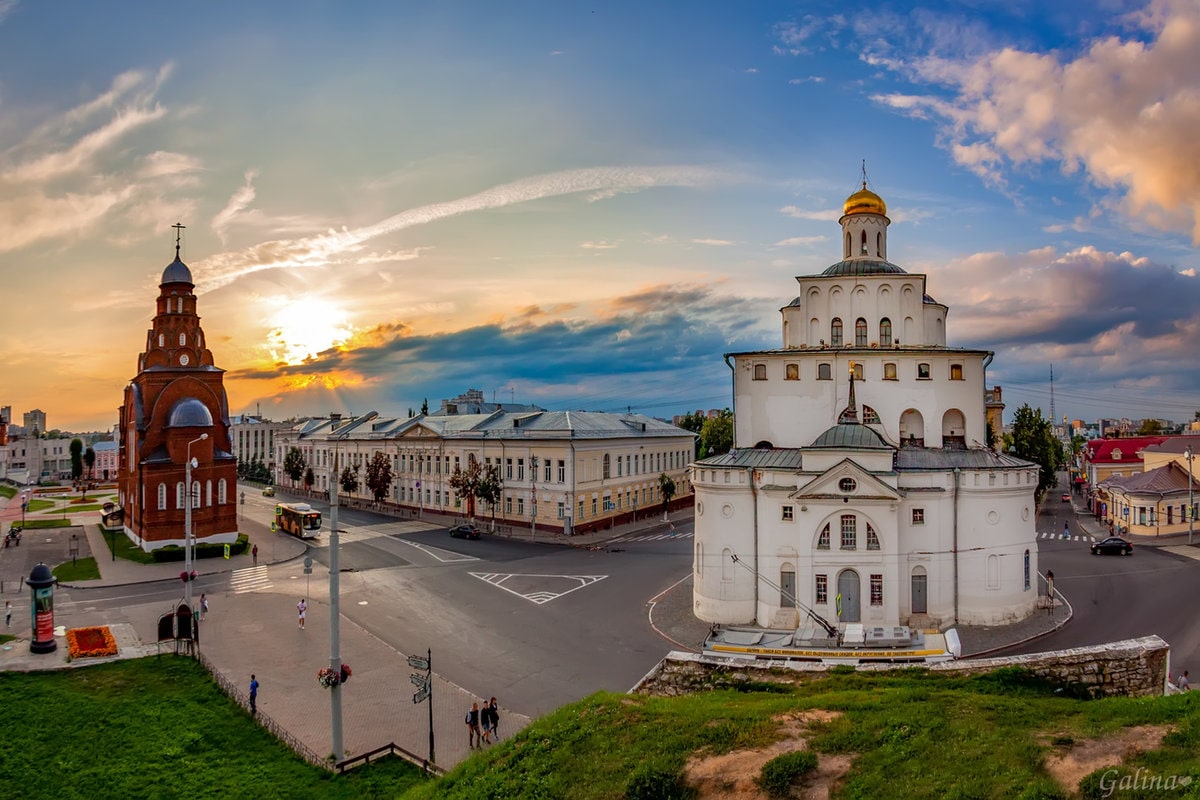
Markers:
434,552
1060,538
538,596
1184,550
250,579
650,537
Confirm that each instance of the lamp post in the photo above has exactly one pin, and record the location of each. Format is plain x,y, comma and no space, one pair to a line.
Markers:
1191,495
188,557
533,465
335,658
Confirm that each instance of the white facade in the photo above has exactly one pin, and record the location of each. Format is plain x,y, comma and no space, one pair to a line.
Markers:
859,471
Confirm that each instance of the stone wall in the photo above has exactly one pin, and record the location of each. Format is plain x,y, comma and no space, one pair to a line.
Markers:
1134,667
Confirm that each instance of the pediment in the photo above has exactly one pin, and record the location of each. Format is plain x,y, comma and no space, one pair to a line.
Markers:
419,432
827,484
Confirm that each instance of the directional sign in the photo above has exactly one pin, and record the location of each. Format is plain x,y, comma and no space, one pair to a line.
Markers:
421,695
418,680
226,552
416,662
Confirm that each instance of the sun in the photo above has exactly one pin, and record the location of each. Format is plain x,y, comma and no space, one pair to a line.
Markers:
303,328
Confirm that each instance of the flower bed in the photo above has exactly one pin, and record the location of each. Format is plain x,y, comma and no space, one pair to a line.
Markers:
91,642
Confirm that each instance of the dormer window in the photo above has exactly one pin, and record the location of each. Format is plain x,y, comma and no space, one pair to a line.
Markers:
1116,454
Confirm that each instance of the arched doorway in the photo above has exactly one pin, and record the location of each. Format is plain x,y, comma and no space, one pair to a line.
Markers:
920,591
787,586
847,596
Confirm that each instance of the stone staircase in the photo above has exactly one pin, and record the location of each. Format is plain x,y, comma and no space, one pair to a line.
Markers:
785,619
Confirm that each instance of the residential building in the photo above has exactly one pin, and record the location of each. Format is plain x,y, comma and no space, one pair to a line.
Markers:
107,458
859,485
254,438
35,422
1155,498
561,470
174,410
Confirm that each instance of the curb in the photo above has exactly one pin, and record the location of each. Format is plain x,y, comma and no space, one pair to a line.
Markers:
1027,639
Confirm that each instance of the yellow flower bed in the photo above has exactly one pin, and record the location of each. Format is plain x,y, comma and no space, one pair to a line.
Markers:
94,642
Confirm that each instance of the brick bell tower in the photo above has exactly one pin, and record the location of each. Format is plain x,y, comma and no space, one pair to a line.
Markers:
177,396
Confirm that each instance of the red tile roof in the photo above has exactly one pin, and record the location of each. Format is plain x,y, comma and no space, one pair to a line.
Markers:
1100,451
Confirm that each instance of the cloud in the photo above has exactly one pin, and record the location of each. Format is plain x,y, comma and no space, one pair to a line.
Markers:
808,79
713,242
1122,110
6,7
800,240
820,215
238,203
599,245
811,33
315,251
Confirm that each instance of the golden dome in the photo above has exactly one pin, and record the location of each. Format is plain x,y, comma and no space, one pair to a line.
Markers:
864,201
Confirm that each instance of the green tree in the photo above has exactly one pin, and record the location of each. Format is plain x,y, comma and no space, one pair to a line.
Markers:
466,482
989,438
1150,427
379,476
76,459
490,488
1033,440
293,465
89,460
349,479
716,436
666,488
425,407
693,421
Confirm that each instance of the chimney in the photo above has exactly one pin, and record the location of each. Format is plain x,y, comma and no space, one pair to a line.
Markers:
335,420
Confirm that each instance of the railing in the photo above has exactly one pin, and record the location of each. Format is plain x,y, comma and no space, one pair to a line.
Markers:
243,700
391,748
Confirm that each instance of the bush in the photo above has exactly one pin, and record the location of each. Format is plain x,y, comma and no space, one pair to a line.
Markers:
174,552
656,782
781,772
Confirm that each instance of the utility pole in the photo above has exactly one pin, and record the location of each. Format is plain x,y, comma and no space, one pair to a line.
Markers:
1191,496
533,465
335,658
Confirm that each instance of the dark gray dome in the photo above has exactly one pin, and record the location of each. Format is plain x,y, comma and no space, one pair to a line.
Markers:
857,437
188,412
863,266
177,272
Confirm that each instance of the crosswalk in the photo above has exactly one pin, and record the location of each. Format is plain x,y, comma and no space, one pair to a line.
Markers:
250,579
650,537
1060,537
1184,550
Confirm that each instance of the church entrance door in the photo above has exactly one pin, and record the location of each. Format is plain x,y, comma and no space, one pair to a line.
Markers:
847,596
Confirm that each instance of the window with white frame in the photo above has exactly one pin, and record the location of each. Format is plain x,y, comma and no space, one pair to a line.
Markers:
162,497
823,539
562,471
607,467
872,538
520,469
562,509
508,471
822,590
889,371
877,590
849,532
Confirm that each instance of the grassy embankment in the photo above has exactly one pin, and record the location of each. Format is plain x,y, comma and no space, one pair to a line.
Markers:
905,734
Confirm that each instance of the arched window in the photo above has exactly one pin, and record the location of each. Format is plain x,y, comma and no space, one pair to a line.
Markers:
864,243
726,564
160,340
849,244
182,339
222,495
872,538
885,332
162,497
208,492
879,245
860,332
1027,570
823,539
835,332
607,466
760,372
179,495
699,559
195,494
993,572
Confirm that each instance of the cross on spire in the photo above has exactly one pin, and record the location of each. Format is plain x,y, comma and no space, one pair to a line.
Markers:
864,173
178,234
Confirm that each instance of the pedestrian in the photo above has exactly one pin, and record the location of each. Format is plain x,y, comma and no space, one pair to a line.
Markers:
494,713
254,552
485,719
672,530
203,605
301,608
473,726
1066,530
1184,683
8,613
253,694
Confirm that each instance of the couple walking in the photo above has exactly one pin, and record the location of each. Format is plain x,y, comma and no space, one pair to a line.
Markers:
488,718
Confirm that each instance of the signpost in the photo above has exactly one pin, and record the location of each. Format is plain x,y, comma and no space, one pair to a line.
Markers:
424,683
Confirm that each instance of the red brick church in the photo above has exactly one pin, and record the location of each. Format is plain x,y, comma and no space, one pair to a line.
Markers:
176,398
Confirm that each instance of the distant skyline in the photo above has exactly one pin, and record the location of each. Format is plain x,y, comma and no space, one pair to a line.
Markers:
586,206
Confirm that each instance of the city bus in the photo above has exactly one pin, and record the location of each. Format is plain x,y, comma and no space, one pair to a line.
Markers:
298,519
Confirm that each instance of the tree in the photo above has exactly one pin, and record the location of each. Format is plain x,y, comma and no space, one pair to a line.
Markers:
293,465
989,438
666,487
693,421
76,459
89,460
716,436
466,483
309,478
379,476
1033,440
425,407
490,488
1150,427
349,479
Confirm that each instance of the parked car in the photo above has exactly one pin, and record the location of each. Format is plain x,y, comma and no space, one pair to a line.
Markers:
269,491
1113,544
464,532
1066,498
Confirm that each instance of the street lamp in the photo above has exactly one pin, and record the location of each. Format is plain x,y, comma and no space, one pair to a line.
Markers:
533,465
188,557
1191,497
335,658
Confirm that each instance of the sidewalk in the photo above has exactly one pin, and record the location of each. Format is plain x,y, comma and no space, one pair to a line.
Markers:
256,632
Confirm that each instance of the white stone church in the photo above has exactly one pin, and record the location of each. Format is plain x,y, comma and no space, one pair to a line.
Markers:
860,485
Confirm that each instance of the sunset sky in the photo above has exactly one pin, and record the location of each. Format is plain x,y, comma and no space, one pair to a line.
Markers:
585,205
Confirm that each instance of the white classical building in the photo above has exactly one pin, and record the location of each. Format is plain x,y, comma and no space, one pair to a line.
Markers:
560,470
859,484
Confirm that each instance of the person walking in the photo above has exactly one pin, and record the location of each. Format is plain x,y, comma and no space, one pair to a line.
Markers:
473,727
1184,683
672,530
253,694
494,714
485,718
301,609
8,613
254,553
1066,530
203,605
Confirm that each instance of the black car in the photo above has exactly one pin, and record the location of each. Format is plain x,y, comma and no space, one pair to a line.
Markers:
464,532
1113,544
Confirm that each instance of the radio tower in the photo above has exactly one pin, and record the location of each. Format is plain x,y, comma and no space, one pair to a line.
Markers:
1053,418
